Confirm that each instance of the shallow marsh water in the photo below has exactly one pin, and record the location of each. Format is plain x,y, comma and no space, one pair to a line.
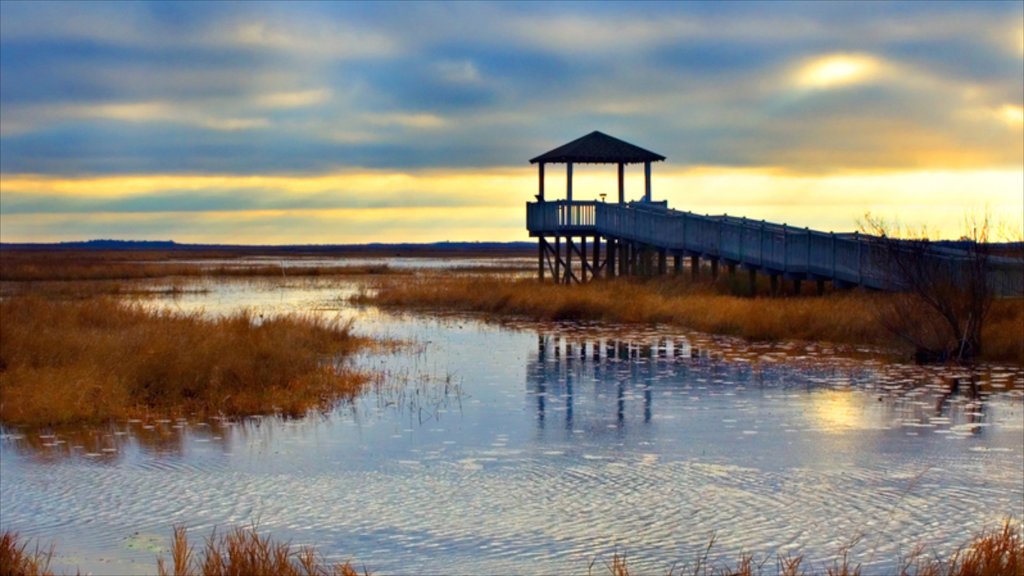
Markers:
539,447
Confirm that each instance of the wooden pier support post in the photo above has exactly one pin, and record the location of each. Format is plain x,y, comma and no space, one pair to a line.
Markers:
677,264
583,259
558,259
797,284
568,258
610,249
714,268
821,286
752,276
694,267
662,261
541,249
775,284
597,258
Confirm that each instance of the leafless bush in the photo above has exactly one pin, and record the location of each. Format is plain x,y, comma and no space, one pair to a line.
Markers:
944,295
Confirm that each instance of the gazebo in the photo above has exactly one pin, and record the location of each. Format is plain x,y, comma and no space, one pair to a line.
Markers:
598,148
575,221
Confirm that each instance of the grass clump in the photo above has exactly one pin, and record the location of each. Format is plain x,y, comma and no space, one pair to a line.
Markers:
243,552
840,317
17,560
98,359
995,552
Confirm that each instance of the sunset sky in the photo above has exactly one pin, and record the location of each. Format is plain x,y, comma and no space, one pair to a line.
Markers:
404,122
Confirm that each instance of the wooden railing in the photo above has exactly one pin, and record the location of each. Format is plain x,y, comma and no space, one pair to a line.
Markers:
561,217
773,248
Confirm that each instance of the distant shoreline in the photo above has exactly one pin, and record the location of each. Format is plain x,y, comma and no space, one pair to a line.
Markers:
404,249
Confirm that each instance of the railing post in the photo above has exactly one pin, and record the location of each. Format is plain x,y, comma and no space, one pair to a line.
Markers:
743,237
807,263
785,248
860,275
760,245
721,226
832,236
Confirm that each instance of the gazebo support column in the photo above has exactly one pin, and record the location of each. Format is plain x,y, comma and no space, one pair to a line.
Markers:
540,183
647,181
622,183
568,182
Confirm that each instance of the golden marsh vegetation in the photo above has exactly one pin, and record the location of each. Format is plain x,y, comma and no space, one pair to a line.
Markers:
243,551
849,317
95,360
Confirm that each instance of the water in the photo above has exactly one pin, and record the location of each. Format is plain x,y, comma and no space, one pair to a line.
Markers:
540,447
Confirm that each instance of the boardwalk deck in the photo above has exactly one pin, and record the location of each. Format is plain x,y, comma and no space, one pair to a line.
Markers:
754,245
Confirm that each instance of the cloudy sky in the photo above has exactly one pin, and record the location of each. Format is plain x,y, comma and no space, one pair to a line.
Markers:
385,122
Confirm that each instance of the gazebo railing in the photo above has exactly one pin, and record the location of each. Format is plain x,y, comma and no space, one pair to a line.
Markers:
561,217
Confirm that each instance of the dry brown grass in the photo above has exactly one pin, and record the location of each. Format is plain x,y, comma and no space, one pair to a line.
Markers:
97,360
996,552
17,560
243,552
841,317
78,266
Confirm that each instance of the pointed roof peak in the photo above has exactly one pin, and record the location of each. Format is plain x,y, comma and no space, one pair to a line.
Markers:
598,148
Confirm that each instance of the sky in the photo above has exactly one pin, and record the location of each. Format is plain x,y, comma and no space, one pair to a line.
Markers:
321,123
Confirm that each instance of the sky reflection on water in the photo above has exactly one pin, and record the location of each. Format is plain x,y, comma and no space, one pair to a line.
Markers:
537,447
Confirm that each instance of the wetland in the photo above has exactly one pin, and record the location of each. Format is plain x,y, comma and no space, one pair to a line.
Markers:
487,443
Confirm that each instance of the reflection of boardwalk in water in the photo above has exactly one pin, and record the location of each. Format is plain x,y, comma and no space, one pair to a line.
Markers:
581,380
608,386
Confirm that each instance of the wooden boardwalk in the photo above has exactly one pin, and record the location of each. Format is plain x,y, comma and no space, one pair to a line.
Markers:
579,241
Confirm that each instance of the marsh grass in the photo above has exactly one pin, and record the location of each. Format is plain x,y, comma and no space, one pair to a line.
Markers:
60,270
244,552
840,317
97,360
994,552
17,560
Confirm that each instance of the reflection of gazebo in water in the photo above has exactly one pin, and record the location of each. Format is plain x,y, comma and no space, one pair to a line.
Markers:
573,376
575,220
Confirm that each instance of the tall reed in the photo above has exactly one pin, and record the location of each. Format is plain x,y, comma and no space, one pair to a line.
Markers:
243,552
17,560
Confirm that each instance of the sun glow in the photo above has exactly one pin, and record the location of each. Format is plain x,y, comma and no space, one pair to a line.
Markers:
1012,115
837,70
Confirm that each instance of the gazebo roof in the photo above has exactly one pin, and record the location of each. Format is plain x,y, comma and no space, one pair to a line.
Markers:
598,148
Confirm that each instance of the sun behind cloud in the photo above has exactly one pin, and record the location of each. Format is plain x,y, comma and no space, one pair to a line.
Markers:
835,70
